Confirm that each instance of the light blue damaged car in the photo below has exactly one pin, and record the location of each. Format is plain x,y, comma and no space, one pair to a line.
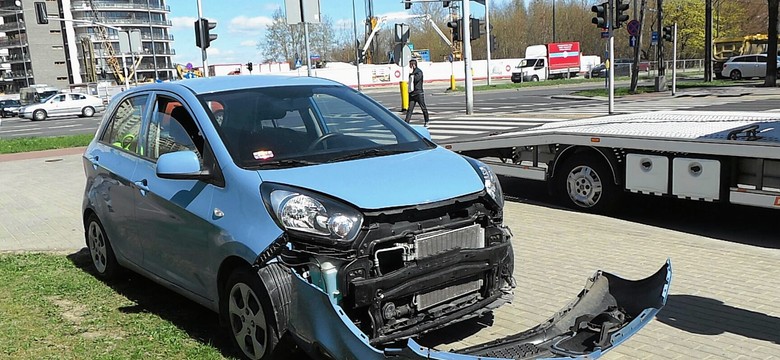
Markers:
299,208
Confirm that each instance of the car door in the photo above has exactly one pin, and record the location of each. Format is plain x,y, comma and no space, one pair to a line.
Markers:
75,103
176,215
55,105
760,66
110,165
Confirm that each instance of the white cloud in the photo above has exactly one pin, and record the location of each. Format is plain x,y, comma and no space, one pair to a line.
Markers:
343,24
248,43
183,22
250,25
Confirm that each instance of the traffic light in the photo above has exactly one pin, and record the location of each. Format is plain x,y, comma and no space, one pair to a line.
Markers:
203,38
40,13
493,43
407,4
446,3
620,17
475,32
249,66
668,33
601,15
361,56
457,35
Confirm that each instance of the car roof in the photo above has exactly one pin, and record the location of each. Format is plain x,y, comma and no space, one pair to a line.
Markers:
226,83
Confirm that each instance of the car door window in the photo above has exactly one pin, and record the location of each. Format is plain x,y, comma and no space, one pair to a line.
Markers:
125,125
172,128
58,99
342,117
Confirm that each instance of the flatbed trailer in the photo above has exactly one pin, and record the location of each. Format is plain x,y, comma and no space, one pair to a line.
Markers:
731,157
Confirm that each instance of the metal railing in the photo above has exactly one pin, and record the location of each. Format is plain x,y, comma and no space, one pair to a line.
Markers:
683,65
11,41
12,26
17,74
14,58
130,5
115,37
128,20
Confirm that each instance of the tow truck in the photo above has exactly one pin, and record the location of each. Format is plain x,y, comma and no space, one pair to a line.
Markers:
730,157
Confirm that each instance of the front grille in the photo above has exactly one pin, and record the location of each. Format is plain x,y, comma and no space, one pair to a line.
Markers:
470,237
436,297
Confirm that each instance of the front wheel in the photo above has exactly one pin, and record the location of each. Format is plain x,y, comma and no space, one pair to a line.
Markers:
100,250
534,78
250,315
584,182
39,115
736,75
88,111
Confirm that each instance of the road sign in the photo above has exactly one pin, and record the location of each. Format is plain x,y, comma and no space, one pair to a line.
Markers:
654,38
632,41
633,27
605,34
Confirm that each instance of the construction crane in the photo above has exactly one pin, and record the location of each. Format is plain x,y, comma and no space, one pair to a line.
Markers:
371,24
112,60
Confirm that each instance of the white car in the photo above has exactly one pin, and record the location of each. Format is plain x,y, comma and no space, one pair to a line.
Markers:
63,105
746,66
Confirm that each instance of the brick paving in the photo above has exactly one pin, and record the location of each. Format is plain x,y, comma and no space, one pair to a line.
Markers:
723,301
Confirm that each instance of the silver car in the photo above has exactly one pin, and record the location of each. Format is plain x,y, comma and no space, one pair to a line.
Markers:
746,66
63,105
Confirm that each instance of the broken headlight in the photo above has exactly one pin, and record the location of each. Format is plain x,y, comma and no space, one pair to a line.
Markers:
489,178
313,214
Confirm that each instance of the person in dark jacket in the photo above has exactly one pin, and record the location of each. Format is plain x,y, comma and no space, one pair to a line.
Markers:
416,94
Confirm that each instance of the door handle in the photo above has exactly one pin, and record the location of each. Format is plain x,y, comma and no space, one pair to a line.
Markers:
143,186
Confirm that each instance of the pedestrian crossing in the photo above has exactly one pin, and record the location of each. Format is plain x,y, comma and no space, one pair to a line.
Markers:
469,126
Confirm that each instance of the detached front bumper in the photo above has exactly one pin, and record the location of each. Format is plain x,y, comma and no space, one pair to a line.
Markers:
605,314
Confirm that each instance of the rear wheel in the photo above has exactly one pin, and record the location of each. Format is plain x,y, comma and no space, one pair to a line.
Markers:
88,111
100,250
249,315
584,182
735,75
39,115
534,78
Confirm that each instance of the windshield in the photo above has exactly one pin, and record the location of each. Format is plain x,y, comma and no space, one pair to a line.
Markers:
304,125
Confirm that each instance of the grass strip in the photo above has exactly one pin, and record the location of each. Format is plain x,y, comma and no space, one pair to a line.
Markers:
624,91
25,144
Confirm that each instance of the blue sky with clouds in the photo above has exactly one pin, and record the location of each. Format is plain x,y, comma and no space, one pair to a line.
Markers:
241,25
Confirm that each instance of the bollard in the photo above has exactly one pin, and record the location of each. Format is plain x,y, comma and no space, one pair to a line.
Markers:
452,82
404,95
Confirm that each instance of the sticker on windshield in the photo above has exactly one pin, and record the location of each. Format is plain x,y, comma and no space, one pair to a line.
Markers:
263,154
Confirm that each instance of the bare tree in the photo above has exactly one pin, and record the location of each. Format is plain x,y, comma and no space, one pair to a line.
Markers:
285,42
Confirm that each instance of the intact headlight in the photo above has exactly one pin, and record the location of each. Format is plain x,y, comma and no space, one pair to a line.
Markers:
492,186
298,210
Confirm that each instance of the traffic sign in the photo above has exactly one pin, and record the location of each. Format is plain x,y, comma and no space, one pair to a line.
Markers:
633,27
654,38
632,41
605,34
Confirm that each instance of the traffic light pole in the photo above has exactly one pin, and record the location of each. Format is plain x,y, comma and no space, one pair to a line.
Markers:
610,22
488,39
308,54
674,59
204,55
467,57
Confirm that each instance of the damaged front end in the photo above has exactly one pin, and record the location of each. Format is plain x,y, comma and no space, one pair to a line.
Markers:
606,313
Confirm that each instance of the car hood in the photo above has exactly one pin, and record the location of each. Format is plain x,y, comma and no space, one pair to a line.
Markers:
387,181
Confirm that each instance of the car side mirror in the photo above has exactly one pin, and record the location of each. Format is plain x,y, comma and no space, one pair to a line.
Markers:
422,130
180,165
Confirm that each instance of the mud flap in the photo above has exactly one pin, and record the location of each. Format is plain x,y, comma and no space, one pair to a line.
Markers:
607,312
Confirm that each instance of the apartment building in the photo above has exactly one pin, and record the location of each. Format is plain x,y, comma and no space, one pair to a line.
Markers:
84,47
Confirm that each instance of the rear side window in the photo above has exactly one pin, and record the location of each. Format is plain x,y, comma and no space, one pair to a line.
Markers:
124,126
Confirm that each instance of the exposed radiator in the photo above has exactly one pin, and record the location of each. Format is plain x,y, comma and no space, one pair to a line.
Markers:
436,297
470,237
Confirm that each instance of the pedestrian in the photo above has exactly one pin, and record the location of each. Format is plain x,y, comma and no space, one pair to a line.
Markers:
416,94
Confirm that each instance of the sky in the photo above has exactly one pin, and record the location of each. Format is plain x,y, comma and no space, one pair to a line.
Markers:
241,25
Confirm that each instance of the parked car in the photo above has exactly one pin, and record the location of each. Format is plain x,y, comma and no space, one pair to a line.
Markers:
746,66
63,105
9,108
600,70
301,208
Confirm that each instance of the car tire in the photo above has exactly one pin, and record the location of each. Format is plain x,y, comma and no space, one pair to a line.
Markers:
584,182
249,315
38,115
88,111
534,78
100,250
735,75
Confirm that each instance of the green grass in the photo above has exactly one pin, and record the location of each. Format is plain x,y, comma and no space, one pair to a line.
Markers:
624,91
52,307
25,144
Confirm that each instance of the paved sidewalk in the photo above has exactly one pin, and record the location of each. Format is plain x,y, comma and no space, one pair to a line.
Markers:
724,295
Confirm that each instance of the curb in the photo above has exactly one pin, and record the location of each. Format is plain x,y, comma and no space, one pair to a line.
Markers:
41,154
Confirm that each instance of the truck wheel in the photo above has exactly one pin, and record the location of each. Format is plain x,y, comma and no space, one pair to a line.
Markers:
250,316
736,75
584,182
39,115
534,78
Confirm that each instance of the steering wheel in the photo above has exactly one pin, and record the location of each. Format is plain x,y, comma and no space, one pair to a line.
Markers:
320,140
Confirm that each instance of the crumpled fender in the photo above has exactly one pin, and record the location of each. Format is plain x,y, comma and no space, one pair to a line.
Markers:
323,330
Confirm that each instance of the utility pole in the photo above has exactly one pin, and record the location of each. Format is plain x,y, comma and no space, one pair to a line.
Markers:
708,40
610,24
467,57
660,80
489,40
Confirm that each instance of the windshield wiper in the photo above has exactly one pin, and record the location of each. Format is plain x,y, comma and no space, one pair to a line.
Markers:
366,154
287,163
